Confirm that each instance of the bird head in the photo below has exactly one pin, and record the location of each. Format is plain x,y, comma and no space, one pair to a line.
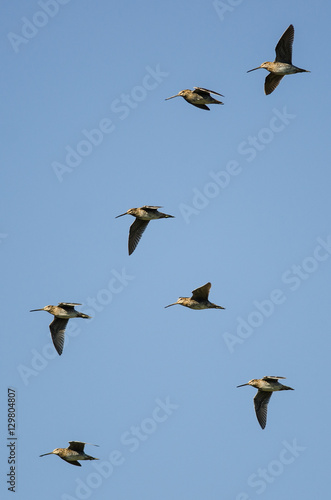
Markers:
54,452
263,65
182,93
129,212
46,308
251,382
179,301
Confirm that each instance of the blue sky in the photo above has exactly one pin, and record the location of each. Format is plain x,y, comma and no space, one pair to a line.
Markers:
87,135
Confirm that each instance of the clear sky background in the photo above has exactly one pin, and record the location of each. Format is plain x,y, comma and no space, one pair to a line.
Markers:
86,135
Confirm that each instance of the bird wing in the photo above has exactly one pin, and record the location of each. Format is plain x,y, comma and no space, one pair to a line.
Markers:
150,208
68,305
78,445
72,462
270,378
201,293
201,106
284,46
57,328
205,92
135,233
261,401
271,82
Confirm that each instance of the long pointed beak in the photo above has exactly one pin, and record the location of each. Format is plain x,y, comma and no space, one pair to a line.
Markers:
50,453
117,216
33,310
259,67
242,385
171,305
167,99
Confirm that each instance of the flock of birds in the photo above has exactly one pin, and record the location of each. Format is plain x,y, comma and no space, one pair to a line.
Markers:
198,97
281,66
66,310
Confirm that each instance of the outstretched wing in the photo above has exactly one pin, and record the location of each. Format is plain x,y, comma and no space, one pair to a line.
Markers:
135,233
261,401
201,293
57,328
271,82
284,46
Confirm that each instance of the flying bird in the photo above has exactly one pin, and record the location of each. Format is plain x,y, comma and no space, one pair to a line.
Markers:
63,312
143,216
74,452
282,65
266,386
199,299
199,97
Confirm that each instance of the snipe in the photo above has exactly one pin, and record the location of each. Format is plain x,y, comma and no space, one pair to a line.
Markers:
266,386
199,299
74,452
199,97
143,216
282,65
63,312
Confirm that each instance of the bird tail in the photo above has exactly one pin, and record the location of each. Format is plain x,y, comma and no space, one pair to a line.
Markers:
215,101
